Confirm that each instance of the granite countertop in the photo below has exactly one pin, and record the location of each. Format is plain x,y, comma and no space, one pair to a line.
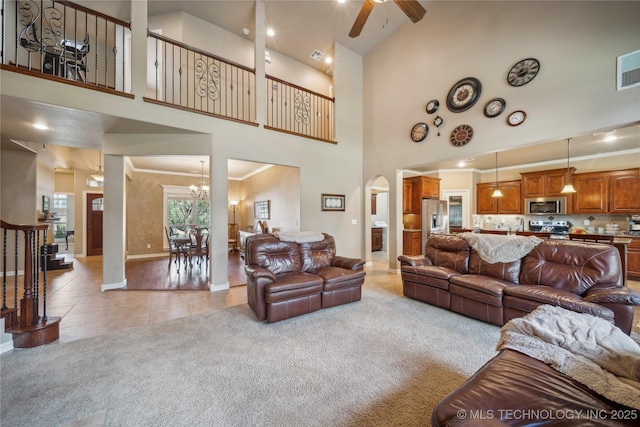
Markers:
411,229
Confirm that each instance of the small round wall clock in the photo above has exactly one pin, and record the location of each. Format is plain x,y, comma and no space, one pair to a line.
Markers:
461,135
523,72
437,122
464,94
419,132
516,118
432,106
494,107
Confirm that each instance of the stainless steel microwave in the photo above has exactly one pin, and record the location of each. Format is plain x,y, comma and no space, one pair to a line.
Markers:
545,205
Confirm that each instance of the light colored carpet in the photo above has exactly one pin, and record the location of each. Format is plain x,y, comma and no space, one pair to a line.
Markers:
386,360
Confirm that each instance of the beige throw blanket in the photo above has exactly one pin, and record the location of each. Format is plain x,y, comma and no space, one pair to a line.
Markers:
494,248
300,236
586,348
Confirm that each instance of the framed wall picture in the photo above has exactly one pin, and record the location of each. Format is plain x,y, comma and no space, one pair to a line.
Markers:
333,202
262,210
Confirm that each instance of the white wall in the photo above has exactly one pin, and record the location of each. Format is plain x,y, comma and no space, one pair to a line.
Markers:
576,43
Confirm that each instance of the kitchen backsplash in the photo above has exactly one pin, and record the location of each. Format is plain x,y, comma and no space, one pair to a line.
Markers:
515,222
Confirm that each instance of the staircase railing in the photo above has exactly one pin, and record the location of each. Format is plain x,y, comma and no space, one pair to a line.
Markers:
25,310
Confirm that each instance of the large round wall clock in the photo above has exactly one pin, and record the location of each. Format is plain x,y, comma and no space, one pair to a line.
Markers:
419,132
494,107
461,135
464,94
523,72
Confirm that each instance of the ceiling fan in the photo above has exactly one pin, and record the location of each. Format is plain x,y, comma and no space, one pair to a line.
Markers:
411,8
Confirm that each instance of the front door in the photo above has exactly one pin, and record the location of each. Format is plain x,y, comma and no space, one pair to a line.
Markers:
95,208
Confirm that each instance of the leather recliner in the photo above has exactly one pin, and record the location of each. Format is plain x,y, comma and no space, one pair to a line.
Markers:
583,277
287,279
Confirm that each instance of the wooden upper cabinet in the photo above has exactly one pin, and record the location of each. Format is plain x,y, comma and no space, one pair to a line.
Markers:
485,204
509,203
592,193
430,187
407,196
544,183
624,191
511,200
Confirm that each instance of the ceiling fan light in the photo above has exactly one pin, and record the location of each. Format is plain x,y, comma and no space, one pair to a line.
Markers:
497,193
98,177
568,189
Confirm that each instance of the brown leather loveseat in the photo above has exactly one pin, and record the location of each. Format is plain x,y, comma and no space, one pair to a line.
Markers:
287,279
583,277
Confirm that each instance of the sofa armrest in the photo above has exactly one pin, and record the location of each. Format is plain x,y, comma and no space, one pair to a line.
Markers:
348,263
613,296
414,260
258,272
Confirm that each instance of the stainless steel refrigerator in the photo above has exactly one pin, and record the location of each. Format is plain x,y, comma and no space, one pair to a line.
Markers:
435,218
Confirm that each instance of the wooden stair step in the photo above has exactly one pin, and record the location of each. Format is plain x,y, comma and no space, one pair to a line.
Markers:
40,333
10,316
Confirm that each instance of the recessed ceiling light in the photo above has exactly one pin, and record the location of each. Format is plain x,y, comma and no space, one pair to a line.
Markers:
40,126
328,60
270,32
341,1
245,31
609,138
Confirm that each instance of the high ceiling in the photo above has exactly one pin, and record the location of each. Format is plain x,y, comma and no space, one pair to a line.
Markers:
301,26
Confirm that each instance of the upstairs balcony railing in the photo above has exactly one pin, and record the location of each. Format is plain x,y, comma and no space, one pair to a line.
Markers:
67,42
299,111
192,79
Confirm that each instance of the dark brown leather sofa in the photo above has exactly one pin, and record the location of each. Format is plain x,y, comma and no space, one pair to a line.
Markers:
287,279
517,390
583,277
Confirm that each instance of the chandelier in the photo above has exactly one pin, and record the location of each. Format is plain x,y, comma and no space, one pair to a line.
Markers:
201,191
99,175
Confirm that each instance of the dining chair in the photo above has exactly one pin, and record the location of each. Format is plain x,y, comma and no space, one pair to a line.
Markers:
232,239
174,251
593,238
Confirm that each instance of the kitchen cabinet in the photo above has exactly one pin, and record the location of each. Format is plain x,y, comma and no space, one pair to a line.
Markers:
407,196
607,192
376,239
624,191
411,242
374,203
545,183
509,203
633,259
592,193
429,187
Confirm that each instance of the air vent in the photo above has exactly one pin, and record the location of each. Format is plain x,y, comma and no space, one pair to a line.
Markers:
317,55
629,70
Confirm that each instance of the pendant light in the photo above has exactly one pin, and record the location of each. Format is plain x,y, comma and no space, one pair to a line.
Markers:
568,188
497,192
99,175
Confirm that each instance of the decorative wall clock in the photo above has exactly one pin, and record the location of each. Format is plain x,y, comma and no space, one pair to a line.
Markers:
494,107
437,122
419,132
516,118
523,72
464,94
461,135
432,106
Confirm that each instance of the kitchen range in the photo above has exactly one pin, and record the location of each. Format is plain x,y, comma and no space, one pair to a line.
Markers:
556,228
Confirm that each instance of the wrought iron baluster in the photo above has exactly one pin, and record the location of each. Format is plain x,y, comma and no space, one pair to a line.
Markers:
4,260
44,278
15,269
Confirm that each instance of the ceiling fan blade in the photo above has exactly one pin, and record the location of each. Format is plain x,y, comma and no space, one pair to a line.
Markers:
412,9
361,19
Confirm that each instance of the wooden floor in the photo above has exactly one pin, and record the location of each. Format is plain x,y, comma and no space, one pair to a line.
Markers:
160,274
